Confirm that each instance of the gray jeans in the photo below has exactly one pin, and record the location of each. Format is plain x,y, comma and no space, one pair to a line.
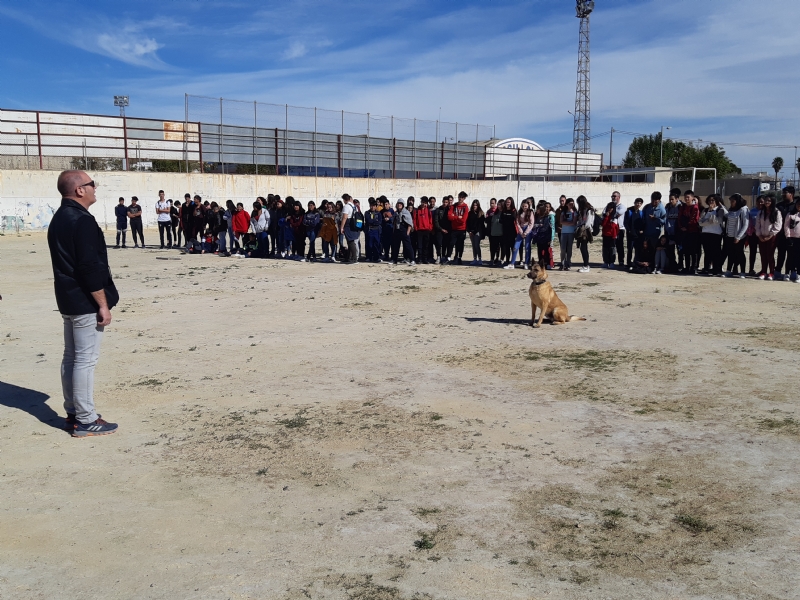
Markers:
352,246
566,249
475,238
82,337
222,247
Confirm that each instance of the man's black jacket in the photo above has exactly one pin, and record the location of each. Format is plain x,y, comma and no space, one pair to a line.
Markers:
80,261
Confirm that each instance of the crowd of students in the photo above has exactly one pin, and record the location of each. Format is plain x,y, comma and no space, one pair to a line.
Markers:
655,238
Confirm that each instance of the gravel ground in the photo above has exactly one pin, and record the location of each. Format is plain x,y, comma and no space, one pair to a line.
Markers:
292,430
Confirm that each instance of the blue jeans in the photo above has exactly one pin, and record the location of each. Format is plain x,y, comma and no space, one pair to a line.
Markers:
263,244
312,244
328,249
528,243
517,244
373,245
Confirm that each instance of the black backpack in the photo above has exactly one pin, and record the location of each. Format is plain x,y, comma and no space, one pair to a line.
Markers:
544,234
357,221
597,225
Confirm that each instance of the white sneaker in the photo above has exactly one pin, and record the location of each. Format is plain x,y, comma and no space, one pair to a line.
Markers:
584,270
412,263
333,259
509,266
303,260
657,272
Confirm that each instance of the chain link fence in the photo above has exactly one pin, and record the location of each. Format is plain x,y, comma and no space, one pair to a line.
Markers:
255,137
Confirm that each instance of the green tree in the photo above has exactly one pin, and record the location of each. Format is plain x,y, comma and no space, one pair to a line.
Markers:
97,164
777,165
645,151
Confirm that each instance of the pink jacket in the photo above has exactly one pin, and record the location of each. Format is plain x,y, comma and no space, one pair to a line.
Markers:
792,225
526,225
765,227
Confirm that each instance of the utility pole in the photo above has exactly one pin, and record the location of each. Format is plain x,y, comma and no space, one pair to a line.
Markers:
611,150
661,163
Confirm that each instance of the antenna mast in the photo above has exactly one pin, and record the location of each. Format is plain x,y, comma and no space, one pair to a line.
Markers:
581,129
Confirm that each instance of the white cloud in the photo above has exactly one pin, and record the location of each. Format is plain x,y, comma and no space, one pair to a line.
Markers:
125,41
295,50
129,46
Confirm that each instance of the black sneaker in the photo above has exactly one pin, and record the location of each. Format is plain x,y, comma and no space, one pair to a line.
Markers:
99,427
71,422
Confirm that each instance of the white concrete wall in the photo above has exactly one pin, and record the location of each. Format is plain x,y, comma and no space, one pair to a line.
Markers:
28,199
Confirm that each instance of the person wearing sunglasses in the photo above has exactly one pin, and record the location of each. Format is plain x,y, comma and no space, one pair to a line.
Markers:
85,294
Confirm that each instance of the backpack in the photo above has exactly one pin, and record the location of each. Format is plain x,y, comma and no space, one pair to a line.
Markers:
544,234
597,224
357,221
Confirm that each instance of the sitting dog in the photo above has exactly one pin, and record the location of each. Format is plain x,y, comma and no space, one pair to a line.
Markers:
544,297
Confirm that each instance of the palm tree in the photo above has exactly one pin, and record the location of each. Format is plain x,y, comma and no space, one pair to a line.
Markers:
777,165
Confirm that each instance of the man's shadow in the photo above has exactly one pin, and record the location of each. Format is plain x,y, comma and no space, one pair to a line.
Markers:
30,401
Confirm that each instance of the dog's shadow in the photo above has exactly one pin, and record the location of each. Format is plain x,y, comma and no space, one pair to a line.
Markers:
526,322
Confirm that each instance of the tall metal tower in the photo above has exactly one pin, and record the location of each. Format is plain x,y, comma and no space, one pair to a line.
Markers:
581,130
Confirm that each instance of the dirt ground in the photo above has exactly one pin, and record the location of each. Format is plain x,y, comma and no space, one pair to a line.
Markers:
370,432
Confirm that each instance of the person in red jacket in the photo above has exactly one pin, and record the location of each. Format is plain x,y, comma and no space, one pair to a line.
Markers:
241,222
423,226
688,232
610,233
457,215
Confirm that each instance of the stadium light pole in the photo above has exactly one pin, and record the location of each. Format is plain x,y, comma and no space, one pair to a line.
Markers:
663,127
122,102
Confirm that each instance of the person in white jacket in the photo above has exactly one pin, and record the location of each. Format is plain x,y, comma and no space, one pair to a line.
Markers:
525,221
585,220
768,224
259,221
711,221
791,228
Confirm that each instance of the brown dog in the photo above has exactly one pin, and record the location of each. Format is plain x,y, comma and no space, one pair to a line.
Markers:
544,297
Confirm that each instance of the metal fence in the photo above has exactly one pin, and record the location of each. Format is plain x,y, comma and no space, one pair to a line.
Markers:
282,139
236,137
41,140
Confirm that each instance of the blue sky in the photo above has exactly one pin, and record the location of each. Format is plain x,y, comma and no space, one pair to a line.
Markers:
720,70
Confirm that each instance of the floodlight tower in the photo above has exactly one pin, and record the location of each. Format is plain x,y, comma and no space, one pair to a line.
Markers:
581,129
122,102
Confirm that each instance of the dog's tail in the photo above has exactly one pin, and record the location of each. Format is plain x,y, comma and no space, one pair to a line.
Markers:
574,318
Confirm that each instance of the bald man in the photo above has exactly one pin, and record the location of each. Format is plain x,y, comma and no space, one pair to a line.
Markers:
85,294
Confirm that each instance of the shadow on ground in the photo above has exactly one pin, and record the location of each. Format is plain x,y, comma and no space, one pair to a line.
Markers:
526,322
30,401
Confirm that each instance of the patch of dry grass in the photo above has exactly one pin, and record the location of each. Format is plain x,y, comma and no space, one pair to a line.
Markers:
644,520
298,446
